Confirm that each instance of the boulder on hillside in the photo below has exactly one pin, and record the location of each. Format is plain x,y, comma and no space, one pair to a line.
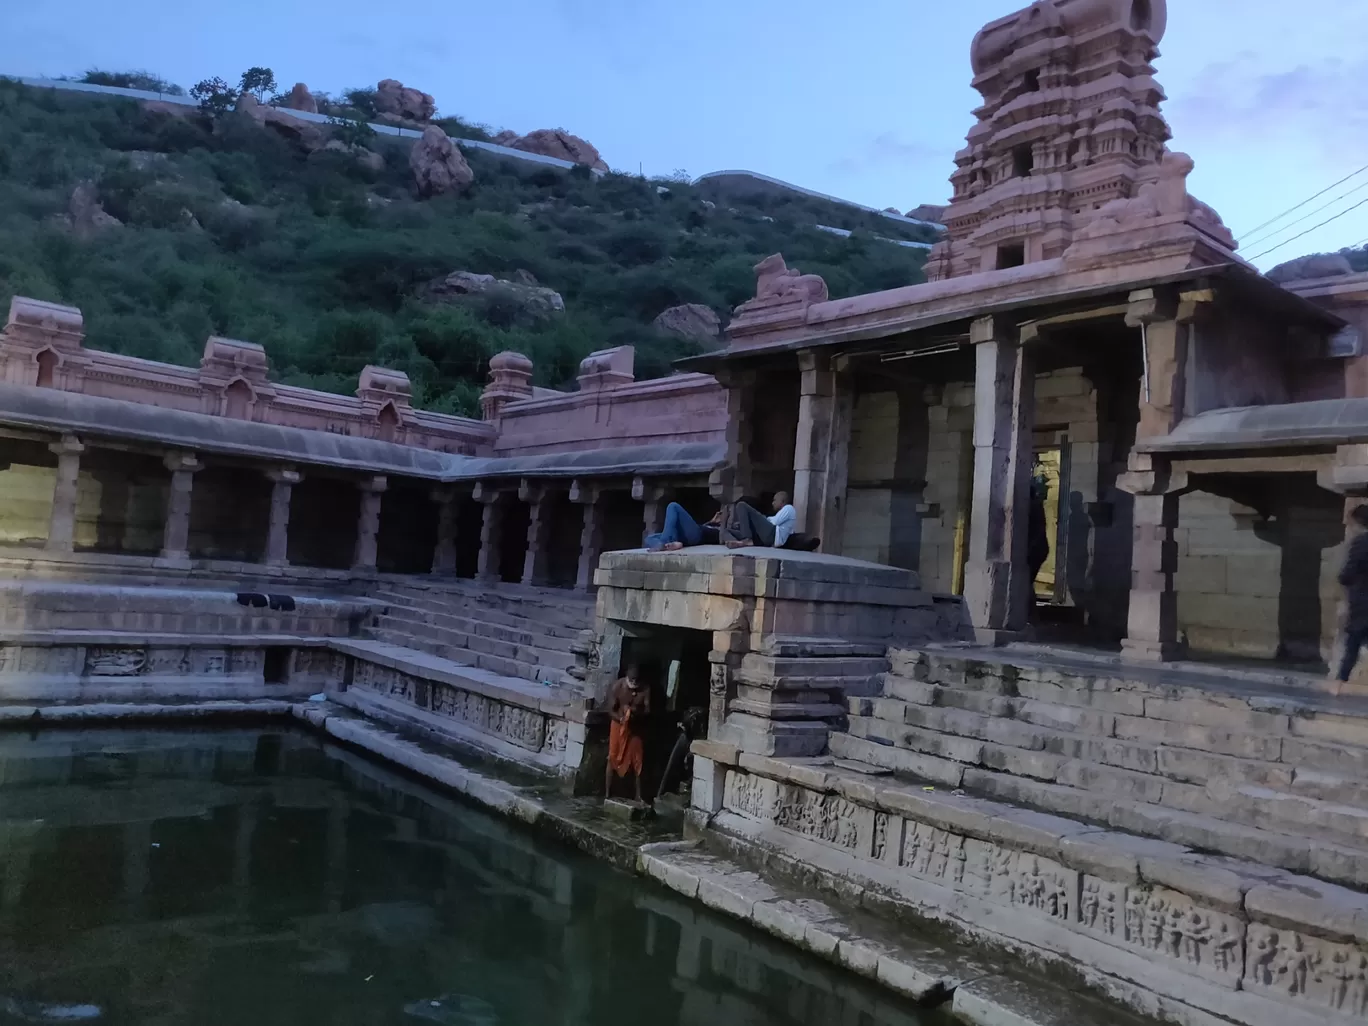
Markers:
299,98
438,165
304,134
85,216
506,138
928,212
368,159
393,99
533,300
555,142
1317,265
691,320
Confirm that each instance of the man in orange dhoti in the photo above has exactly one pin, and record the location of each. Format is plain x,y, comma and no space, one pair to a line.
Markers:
628,705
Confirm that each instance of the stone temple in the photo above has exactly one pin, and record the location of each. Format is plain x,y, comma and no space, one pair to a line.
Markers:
1128,767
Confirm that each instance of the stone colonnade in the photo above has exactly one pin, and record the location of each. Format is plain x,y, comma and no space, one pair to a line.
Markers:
541,497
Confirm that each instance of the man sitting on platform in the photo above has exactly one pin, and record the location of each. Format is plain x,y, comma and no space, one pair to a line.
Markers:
749,526
681,530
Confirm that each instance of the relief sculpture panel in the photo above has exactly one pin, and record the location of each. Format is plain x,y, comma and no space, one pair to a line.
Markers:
1154,921
115,662
1310,972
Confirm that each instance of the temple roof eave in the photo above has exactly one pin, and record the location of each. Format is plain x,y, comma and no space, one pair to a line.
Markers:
906,316
50,411
1320,423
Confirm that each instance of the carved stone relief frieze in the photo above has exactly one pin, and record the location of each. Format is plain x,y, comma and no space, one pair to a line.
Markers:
1307,970
115,662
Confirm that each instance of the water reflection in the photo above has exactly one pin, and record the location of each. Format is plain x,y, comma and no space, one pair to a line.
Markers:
254,878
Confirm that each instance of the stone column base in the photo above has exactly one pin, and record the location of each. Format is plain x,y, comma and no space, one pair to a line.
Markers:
996,639
1137,651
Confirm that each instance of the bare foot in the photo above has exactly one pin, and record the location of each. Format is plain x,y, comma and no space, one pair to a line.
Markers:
672,546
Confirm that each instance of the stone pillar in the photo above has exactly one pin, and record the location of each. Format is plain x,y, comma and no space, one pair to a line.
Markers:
997,587
821,455
537,560
176,537
1152,621
368,522
444,555
62,527
1164,326
491,532
731,482
591,537
653,499
283,480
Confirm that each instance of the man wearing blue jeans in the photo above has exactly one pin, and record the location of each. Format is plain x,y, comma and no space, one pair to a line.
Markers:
682,530
1354,577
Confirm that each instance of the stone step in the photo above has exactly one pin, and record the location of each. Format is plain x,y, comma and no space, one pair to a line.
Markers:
524,669
525,632
541,622
1292,850
552,606
1256,793
480,645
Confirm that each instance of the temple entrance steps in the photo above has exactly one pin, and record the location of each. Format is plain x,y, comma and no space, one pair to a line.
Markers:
1251,765
508,629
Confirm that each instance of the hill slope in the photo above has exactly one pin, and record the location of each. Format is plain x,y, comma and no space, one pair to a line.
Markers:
228,228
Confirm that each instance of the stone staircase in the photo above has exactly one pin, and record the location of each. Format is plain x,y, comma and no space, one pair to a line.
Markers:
1257,767
507,629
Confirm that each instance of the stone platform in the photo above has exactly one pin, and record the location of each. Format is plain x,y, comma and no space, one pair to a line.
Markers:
792,633
1190,841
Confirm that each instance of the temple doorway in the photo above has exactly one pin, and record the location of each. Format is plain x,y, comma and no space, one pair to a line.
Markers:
673,663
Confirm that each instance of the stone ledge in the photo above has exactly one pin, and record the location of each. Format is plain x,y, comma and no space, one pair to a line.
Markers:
925,972
547,759
1096,899
509,690
50,637
27,716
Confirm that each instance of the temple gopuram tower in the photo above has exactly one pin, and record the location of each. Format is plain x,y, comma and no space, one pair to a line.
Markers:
1070,122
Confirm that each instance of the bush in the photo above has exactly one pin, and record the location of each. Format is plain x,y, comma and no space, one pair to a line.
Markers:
324,263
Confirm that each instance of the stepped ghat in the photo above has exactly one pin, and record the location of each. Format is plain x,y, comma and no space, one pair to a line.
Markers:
1070,767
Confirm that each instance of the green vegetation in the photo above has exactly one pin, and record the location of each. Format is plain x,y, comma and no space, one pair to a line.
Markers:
132,80
231,229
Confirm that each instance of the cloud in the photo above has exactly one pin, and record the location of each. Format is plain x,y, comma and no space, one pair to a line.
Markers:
885,149
1322,106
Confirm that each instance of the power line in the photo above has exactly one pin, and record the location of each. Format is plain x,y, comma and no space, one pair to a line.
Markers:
1309,199
1360,203
1309,214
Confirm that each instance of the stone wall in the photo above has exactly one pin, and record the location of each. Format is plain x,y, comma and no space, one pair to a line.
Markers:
1256,585
887,472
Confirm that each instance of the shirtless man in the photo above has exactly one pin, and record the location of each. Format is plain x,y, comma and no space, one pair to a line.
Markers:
628,705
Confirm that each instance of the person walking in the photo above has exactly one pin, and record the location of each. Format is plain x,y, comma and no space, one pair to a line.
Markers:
1354,578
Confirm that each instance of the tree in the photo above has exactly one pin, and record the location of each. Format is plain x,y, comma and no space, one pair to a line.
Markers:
351,133
214,96
259,82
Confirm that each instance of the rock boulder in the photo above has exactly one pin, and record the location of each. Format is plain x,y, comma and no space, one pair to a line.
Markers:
299,98
692,320
1318,265
555,142
928,212
85,216
535,301
396,100
302,133
368,159
438,165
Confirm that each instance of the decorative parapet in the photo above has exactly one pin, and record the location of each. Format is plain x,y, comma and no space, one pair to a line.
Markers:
42,345
782,298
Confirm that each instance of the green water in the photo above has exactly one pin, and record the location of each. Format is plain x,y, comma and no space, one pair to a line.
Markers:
255,878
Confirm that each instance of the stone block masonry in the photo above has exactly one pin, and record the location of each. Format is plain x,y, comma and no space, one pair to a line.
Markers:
1204,939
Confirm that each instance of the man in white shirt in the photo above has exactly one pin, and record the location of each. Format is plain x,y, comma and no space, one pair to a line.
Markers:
751,527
